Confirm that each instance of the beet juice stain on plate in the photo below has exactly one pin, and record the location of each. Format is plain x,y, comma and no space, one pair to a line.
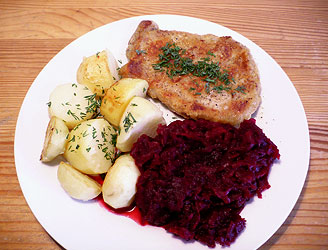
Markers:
131,212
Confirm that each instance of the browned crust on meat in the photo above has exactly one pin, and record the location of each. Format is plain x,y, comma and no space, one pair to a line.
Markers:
228,106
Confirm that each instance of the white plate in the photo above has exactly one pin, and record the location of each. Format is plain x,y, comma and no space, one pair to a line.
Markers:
80,225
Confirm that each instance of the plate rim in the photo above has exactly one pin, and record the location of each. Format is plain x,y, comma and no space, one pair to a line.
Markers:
19,117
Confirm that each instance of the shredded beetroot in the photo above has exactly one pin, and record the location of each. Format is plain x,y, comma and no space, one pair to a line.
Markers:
197,176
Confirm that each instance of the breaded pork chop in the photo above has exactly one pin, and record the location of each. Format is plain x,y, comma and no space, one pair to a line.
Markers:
196,76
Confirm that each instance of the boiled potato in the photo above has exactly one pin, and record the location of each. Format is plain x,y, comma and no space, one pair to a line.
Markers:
91,146
119,186
140,117
55,140
98,72
73,103
76,184
112,64
119,95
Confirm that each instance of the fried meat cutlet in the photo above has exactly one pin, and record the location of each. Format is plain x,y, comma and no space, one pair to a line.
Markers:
196,76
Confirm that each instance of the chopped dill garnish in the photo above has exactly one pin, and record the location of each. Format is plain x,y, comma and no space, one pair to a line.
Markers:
103,135
128,121
210,53
93,104
241,89
94,131
72,139
83,115
69,112
220,88
174,63
85,134
77,126
139,52
207,88
114,139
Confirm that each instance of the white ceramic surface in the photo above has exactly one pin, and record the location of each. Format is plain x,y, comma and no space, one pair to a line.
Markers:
87,225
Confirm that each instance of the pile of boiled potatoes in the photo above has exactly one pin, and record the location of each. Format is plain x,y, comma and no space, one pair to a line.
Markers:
93,124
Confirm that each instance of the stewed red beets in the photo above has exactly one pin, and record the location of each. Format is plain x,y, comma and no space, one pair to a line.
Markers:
197,176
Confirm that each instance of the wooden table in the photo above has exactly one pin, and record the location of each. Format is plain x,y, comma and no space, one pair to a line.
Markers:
294,33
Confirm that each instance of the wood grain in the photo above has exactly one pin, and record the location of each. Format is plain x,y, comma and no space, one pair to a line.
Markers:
294,33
